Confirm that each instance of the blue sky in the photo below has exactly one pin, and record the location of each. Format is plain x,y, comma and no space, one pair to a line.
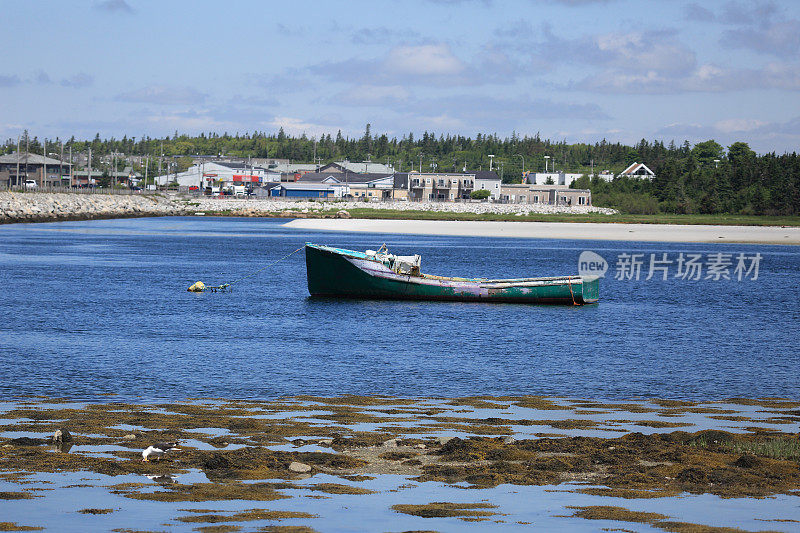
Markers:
580,70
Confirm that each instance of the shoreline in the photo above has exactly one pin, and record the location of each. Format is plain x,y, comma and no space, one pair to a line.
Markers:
33,207
561,230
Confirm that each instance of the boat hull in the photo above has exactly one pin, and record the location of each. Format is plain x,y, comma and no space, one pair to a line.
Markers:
341,273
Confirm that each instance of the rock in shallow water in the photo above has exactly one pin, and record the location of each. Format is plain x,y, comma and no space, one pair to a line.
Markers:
61,436
300,468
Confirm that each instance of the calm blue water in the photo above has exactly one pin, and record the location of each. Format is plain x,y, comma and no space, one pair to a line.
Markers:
98,307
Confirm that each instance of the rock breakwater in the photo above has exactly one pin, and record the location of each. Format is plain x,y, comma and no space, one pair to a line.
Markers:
49,206
45,207
267,207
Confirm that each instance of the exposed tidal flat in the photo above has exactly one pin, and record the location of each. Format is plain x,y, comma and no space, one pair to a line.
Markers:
365,463
341,415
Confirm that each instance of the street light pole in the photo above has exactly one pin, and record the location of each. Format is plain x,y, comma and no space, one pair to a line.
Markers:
545,163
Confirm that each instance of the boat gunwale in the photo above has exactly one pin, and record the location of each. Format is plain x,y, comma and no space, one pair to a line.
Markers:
493,283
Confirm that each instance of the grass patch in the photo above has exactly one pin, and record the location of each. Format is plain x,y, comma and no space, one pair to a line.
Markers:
776,448
785,448
716,220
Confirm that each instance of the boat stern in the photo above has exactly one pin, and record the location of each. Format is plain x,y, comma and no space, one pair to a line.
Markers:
590,289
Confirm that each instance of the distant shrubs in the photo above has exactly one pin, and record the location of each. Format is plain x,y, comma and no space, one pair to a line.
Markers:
631,203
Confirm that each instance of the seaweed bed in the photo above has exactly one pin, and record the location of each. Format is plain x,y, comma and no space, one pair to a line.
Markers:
241,452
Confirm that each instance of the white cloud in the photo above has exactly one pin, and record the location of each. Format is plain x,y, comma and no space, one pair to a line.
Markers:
705,78
644,52
372,95
296,126
421,65
423,60
732,125
78,80
114,6
761,136
163,95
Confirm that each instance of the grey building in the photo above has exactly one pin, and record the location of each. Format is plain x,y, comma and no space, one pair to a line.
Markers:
45,171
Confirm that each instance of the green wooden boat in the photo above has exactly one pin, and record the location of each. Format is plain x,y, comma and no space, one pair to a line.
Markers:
379,274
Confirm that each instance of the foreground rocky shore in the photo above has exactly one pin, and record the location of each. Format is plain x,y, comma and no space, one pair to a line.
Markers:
48,207
368,463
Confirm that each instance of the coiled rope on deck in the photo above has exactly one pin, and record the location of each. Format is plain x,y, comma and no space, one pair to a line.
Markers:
202,287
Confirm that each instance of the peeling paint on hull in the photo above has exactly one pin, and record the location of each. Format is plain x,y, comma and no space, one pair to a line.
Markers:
343,273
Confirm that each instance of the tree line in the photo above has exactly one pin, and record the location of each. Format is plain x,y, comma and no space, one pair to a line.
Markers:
701,178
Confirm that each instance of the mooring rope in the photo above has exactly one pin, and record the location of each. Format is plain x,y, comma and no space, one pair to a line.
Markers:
201,287
569,280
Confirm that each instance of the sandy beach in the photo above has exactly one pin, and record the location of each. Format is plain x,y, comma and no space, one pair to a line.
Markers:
561,230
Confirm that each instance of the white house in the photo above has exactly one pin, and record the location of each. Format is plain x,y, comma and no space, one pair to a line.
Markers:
637,170
556,178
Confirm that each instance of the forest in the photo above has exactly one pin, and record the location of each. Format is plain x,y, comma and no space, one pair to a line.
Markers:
705,178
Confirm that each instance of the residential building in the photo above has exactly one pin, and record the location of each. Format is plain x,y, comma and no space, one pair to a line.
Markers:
554,178
637,170
46,171
606,175
122,177
544,194
439,186
489,180
447,186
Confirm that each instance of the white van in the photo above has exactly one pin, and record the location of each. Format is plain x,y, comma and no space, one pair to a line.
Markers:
30,184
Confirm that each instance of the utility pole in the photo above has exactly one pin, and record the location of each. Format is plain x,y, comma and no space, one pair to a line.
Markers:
89,175
19,138
61,164
27,151
160,159
44,161
71,171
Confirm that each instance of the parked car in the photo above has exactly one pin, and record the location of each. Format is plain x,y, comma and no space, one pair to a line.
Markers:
30,184
194,188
